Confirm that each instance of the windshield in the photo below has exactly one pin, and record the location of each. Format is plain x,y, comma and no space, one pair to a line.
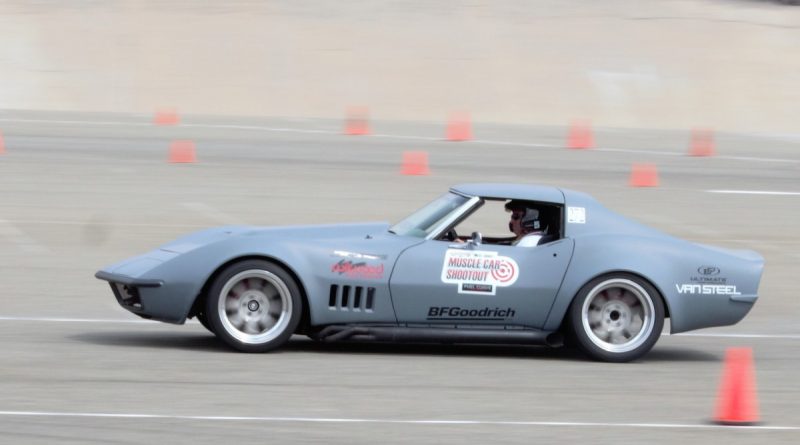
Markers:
423,221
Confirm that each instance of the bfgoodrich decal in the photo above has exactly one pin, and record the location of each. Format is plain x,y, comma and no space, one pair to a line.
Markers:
458,313
477,272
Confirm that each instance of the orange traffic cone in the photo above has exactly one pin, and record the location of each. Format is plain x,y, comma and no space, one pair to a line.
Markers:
182,152
2,144
166,116
737,403
580,135
459,127
702,143
415,163
357,122
644,175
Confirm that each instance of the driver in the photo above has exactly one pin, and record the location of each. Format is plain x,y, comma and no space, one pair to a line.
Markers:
525,224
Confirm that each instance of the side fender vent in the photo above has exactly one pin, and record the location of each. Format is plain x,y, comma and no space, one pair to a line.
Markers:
351,298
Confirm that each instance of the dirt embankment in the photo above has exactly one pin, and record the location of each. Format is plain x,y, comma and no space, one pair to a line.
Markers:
673,64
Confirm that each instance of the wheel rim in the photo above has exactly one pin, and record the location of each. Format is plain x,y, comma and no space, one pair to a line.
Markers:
618,315
255,306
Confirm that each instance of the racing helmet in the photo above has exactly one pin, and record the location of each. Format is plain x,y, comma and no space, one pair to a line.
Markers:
530,217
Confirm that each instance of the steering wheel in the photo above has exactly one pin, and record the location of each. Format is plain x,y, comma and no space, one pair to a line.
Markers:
451,235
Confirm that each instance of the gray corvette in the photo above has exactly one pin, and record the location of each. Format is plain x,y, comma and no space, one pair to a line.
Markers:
590,276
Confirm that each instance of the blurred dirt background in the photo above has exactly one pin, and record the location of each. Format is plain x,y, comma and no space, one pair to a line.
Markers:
732,65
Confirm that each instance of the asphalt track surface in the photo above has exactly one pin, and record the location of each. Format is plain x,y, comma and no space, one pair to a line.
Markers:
79,191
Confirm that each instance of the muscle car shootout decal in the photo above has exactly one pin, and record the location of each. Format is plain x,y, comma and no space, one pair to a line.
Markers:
351,269
457,313
478,272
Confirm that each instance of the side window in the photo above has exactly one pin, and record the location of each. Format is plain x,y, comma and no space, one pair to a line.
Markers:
492,221
551,217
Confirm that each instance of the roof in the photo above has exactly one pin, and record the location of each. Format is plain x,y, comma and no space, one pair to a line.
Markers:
527,192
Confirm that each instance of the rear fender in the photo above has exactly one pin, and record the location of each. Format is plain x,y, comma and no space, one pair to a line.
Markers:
678,269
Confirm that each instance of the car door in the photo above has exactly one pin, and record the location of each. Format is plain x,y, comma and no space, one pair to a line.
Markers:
439,282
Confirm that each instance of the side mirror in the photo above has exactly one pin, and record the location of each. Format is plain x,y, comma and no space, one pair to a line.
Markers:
472,243
477,239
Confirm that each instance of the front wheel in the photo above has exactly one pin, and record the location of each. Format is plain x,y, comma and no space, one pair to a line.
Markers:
254,306
617,317
201,317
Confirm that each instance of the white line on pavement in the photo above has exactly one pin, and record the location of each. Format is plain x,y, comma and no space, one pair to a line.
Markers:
399,421
627,150
78,122
75,320
114,223
24,242
261,128
750,159
398,136
699,334
754,192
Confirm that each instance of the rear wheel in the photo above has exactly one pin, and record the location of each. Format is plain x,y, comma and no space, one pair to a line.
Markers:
254,306
616,318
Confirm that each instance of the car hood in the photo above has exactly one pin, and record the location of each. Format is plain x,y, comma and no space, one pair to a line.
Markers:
311,232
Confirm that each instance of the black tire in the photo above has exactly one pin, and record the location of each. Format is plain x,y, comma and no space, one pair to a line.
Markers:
254,306
201,317
616,317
